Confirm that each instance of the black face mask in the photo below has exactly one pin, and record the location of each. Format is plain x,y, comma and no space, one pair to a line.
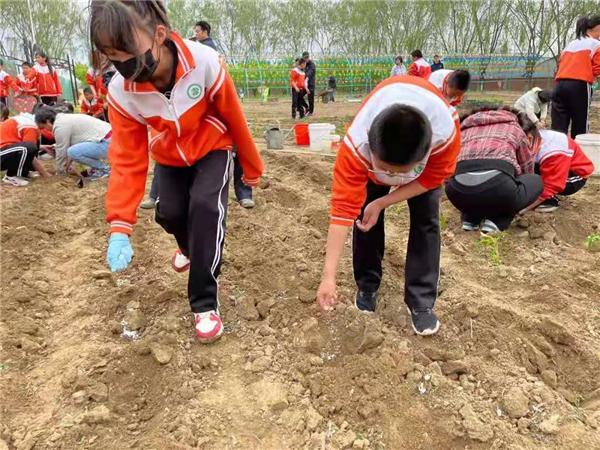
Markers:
128,68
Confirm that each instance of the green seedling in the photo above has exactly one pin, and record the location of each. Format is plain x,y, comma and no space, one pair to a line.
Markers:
592,242
490,244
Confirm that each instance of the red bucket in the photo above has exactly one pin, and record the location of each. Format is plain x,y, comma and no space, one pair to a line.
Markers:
301,132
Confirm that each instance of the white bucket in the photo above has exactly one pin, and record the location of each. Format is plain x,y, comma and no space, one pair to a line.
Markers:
590,144
318,135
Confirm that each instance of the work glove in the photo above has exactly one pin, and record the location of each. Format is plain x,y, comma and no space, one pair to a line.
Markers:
119,253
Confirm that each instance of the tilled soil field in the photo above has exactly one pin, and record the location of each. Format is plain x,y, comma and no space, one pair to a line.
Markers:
97,361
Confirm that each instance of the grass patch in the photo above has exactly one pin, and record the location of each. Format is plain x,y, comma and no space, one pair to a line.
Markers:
592,242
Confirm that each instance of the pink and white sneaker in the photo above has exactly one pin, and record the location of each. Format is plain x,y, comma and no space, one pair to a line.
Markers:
180,262
209,326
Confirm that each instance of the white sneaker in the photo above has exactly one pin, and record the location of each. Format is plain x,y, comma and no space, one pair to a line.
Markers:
247,203
489,227
15,181
208,326
149,203
180,262
470,226
33,174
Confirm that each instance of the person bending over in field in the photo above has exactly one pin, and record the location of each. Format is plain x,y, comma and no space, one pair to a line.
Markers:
400,147
453,84
182,91
535,103
563,166
494,177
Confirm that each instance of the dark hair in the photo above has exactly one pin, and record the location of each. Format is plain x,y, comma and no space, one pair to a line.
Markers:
1,62
113,24
460,79
300,61
45,56
87,90
399,57
4,112
400,134
203,24
528,127
545,96
416,54
45,114
585,23
25,63
305,55
436,56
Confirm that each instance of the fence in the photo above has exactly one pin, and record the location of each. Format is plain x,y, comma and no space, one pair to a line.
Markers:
357,76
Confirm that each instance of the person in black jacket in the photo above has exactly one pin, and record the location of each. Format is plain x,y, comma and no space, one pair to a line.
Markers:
311,76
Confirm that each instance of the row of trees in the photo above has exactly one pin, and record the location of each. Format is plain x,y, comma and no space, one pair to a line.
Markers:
270,28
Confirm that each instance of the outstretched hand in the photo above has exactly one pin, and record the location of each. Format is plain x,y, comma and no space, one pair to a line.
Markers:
327,295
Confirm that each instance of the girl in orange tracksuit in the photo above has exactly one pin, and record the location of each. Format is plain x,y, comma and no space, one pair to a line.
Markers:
26,82
48,84
180,90
578,67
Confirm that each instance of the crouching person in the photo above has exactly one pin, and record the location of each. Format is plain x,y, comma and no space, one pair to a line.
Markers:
494,177
80,138
563,166
400,147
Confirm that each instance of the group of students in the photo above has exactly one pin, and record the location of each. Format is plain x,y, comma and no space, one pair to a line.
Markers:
403,145
39,80
69,139
418,67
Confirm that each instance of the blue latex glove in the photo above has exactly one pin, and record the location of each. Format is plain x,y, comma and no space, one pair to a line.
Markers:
119,253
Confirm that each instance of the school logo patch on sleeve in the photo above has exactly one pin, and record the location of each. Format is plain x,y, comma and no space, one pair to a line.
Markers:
194,91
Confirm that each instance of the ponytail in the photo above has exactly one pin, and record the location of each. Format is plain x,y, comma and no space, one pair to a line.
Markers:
585,23
45,56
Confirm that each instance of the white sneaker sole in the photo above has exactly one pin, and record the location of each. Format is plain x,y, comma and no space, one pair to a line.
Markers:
209,340
428,332
547,210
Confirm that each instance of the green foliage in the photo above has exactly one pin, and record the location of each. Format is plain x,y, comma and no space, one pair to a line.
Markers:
592,242
81,71
490,245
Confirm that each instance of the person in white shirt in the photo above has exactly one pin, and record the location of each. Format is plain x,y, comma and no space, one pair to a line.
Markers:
535,103
398,68
79,138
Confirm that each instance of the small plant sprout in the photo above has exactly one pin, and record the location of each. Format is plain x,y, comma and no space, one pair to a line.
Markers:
490,244
592,242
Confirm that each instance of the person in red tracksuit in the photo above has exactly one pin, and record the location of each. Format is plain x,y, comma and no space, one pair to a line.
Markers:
563,166
26,82
419,67
453,84
299,85
48,84
400,147
182,91
578,68
6,83
91,105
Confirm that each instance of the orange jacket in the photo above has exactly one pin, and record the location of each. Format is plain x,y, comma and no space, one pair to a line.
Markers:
21,128
580,60
298,78
93,108
95,79
420,68
203,114
351,172
48,83
439,79
26,84
559,158
6,83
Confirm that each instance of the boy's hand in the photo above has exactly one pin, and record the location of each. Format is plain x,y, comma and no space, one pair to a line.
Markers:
370,216
119,252
326,295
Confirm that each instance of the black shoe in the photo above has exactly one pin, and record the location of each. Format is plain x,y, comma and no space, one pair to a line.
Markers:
366,301
549,205
424,322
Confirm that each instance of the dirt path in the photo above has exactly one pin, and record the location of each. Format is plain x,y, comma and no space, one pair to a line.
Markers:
514,367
